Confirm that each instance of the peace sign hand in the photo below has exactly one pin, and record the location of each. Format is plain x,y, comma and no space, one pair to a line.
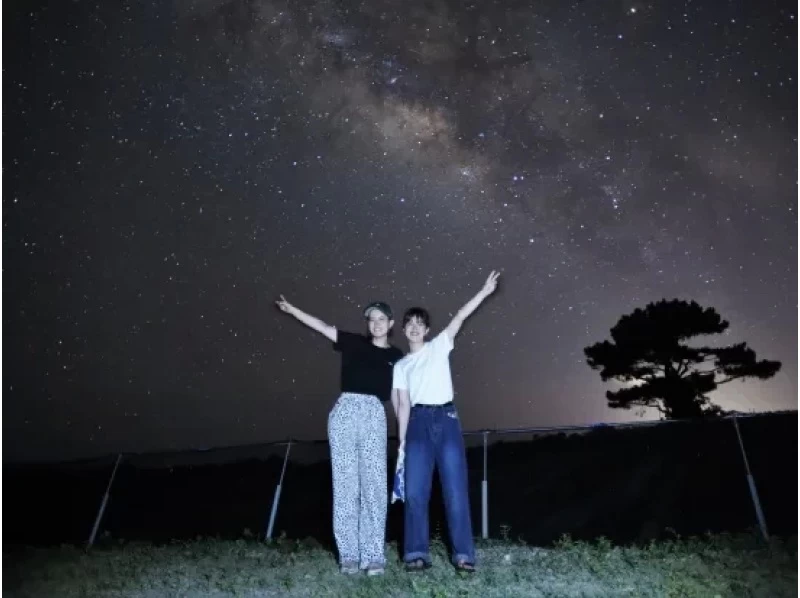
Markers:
284,305
491,283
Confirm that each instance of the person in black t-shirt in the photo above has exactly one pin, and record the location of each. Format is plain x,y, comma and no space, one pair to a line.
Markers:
357,435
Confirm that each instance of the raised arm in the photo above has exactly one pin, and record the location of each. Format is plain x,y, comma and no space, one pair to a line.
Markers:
402,409
488,288
309,320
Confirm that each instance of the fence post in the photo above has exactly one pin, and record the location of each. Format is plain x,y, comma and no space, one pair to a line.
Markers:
485,491
762,523
103,503
277,496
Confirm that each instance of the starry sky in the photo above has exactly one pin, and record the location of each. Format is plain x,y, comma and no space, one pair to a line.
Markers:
169,168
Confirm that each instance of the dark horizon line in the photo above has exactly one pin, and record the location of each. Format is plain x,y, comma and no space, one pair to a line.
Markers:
525,430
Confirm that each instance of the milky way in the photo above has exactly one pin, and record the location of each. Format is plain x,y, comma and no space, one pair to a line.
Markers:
170,169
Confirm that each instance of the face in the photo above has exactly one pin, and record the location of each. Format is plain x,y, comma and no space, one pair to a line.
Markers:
415,330
378,323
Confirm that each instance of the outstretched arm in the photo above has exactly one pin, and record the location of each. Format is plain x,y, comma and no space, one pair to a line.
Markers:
309,320
402,409
488,288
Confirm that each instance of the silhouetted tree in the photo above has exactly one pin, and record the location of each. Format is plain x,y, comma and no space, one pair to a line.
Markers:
649,352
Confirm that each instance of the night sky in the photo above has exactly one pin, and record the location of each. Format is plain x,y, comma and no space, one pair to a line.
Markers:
170,168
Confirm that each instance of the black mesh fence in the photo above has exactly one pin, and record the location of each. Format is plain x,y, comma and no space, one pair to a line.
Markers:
626,483
639,484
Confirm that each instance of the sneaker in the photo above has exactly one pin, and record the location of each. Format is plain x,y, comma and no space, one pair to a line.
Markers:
375,569
349,568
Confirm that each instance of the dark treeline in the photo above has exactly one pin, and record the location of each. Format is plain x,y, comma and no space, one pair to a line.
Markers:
629,485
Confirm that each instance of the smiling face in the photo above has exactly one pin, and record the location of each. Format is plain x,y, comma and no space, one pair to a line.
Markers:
415,329
378,324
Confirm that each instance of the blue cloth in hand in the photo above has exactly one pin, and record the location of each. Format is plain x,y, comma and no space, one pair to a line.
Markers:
399,485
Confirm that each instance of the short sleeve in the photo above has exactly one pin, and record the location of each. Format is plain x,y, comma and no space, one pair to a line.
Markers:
398,355
347,341
442,344
399,377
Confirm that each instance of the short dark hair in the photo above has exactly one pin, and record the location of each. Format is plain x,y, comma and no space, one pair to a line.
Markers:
417,312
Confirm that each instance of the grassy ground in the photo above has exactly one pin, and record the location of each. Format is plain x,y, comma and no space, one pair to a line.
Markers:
721,566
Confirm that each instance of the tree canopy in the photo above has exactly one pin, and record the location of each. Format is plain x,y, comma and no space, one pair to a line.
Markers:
650,355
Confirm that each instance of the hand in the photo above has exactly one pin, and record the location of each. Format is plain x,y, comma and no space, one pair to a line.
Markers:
284,305
491,283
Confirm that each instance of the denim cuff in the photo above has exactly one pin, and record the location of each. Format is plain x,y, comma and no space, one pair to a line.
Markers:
465,558
413,556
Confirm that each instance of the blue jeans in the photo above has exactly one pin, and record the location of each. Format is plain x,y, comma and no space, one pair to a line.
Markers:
434,437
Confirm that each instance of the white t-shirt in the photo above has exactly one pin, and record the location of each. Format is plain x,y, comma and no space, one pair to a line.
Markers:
426,373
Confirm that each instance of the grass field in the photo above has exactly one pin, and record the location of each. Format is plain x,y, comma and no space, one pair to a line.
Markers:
721,566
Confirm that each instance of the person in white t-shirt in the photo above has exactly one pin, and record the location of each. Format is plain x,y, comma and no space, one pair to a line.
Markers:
430,434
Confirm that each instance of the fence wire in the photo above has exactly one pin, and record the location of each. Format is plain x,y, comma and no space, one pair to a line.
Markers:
627,481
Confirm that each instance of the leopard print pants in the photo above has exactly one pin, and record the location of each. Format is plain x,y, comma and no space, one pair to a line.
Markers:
357,435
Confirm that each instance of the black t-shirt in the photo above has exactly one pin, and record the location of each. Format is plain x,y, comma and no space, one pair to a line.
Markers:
366,369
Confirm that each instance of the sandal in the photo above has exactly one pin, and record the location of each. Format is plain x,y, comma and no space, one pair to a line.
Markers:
417,565
465,567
